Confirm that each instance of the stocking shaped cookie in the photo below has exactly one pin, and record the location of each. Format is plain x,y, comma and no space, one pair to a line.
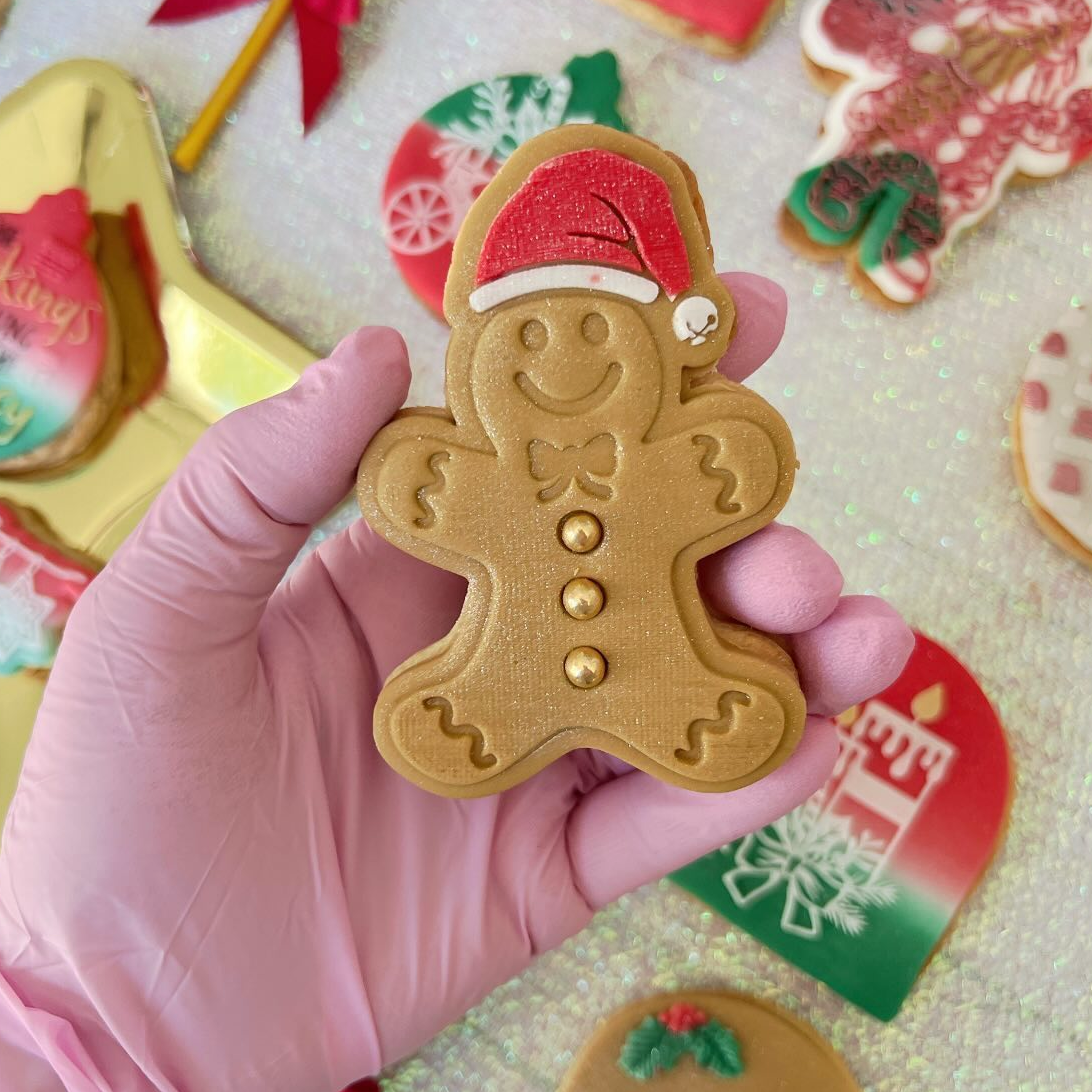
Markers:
589,457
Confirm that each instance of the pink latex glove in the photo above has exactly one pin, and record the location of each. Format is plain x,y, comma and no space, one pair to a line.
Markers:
209,878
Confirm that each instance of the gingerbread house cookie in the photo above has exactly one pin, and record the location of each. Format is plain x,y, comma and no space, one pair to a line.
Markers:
589,456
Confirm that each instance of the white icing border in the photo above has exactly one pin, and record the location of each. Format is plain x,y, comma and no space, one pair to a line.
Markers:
550,277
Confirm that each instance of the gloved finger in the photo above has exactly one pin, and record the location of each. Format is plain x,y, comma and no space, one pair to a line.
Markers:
634,829
778,580
399,603
852,655
198,570
761,309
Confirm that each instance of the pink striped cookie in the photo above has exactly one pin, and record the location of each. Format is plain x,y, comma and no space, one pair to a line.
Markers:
1053,431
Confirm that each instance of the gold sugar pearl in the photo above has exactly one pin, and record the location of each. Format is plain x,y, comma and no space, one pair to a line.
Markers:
582,598
580,532
585,667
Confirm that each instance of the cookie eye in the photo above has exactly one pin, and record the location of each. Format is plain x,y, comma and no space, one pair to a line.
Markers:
594,328
533,335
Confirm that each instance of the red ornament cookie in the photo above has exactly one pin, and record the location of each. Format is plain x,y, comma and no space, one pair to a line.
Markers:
1053,433
60,368
39,584
729,28
939,105
860,884
445,160
705,1041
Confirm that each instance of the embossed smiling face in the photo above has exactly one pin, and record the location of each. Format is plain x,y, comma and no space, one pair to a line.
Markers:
565,367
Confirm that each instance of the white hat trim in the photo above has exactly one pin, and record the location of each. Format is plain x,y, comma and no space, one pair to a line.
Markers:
549,277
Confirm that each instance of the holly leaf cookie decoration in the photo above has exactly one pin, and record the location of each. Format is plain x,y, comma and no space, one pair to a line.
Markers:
937,106
706,1041
859,885
658,1042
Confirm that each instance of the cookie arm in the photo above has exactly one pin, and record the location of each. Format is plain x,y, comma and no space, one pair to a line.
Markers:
426,492
726,472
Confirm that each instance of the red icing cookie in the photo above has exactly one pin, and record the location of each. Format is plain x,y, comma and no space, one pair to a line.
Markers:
60,372
938,106
860,884
39,585
726,27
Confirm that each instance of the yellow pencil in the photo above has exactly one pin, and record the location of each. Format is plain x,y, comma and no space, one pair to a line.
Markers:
193,145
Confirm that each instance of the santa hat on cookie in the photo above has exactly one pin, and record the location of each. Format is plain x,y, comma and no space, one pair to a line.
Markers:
592,219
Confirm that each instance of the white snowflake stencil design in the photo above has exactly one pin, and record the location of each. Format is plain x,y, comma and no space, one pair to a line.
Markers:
22,616
828,872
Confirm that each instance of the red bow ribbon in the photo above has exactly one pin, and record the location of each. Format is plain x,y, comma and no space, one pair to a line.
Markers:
318,23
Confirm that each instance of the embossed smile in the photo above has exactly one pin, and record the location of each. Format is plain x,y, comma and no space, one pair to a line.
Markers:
570,407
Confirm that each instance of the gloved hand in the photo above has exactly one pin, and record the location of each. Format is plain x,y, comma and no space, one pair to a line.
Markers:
210,880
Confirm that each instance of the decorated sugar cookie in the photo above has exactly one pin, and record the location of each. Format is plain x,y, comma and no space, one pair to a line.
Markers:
859,885
939,105
60,375
726,27
445,160
39,585
706,1041
1053,427
588,457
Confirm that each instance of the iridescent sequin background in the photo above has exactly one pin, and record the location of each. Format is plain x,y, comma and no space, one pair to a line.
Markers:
902,425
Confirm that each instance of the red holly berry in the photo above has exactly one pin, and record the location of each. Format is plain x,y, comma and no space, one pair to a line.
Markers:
682,1017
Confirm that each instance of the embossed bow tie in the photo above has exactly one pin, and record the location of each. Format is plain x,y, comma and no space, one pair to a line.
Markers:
559,467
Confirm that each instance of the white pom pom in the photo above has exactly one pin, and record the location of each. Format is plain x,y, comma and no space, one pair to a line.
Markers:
694,319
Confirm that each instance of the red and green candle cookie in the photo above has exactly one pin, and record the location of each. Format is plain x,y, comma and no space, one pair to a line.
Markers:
937,106
860,884
729,28
60,368
447,157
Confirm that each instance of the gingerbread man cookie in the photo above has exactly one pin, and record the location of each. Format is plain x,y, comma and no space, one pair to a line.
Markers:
1053,433
590,455
939,104
700,1039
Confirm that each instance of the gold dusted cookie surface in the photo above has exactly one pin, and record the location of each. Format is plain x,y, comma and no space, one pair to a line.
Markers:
588,458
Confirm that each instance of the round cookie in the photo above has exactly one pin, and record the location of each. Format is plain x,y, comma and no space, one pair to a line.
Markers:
60,366
706,1041
728,28
938,106
445,159
1052,428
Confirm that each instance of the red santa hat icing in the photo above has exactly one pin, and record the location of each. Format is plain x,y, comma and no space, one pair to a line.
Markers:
592,219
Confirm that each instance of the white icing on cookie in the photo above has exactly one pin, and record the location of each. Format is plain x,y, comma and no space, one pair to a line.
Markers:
1056,424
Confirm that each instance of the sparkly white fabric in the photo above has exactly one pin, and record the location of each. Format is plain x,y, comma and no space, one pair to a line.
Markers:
901,420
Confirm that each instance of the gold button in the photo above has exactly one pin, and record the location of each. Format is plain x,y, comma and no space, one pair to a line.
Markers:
585,667
582,598
580,532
